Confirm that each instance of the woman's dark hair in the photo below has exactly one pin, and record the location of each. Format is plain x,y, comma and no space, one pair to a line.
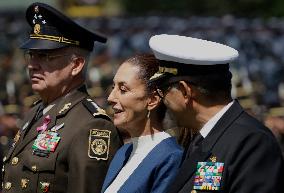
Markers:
148,65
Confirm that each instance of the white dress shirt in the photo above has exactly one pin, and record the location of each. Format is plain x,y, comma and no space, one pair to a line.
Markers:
212,122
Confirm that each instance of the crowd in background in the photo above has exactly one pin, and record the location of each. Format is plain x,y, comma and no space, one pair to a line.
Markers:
258,80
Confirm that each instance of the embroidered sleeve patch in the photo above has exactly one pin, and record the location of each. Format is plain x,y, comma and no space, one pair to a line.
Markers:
99,142
208,176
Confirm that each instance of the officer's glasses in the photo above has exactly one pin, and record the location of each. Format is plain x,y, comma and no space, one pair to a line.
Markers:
165,88
41,56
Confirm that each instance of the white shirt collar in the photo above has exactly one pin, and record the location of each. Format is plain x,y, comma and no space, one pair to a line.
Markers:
140,144
46,109
212,122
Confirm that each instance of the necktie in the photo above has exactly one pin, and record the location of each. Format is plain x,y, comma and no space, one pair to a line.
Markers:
39,112
196,139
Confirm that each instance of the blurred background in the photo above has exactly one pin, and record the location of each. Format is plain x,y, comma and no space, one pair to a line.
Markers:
254,27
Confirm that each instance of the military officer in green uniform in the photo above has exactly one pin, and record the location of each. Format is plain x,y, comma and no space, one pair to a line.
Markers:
66,141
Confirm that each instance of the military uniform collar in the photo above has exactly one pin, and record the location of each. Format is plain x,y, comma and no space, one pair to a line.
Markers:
205,130
68,101
221,126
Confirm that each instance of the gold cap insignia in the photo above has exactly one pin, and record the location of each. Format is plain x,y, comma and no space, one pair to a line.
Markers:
37,28
156,75
173,71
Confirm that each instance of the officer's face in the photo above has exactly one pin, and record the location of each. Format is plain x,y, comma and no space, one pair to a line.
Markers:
49,70
128,99
177,104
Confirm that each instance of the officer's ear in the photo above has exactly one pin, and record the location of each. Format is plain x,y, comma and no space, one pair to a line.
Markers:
187,91
78,64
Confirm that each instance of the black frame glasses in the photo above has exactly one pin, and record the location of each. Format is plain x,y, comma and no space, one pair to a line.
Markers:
41,56
163,89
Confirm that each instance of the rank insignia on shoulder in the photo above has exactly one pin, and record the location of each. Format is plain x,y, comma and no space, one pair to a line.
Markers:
65,107
208,176
94,109
99,142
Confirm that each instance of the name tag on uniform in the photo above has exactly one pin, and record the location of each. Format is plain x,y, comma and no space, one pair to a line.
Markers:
208,176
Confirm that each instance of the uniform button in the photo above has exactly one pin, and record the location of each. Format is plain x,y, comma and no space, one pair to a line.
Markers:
15,160
34,168
193,191
4,159
3,168
24,183
8,185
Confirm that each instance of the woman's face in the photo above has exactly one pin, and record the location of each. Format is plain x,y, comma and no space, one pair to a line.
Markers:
128,99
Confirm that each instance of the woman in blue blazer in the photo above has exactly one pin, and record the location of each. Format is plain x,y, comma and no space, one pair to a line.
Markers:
150,161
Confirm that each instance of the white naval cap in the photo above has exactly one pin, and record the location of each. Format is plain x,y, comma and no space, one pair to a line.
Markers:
187,56
188,50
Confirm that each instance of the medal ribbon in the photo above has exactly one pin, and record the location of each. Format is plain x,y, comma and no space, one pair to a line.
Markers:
43,127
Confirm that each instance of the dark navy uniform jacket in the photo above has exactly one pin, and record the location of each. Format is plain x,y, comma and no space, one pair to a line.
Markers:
252,158
88,142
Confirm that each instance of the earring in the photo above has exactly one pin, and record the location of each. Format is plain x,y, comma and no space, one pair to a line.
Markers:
148,114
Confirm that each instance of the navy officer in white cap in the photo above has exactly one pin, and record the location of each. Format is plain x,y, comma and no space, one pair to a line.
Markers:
230,151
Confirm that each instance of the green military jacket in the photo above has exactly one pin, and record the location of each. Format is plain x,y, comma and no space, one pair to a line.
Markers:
68,149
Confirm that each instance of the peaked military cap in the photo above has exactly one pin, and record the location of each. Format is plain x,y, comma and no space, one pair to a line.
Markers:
182,56
51,30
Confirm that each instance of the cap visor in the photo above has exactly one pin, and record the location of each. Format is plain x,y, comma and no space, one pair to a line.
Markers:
39,44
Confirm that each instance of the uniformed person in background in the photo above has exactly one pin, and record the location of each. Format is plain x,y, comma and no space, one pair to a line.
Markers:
66,141
230,151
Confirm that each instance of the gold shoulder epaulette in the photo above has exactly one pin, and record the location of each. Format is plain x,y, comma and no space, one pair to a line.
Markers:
94,109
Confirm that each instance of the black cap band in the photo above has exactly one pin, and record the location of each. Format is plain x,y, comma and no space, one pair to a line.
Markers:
194,70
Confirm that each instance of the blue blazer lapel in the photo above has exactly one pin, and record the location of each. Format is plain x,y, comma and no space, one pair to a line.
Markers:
117,163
